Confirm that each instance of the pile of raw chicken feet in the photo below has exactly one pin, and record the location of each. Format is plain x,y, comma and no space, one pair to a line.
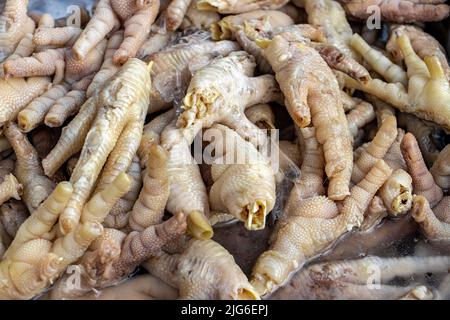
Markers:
100,114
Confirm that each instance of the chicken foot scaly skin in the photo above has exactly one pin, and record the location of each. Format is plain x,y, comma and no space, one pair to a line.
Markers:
137,18
152,133
234,6
423,182
205,270
433,228
113,137
246,190
31,262
176,11
441,169
115,255
149,208
400,11
430,209
108,68
312,171
14,24
172,68
24,48
36,185
102,22
425,132
260,20
220,93
353,279
396,192
302,237
423,44
69,104
35,112
315,95
428,92
330,17
137,28
118,217
187,189
15,94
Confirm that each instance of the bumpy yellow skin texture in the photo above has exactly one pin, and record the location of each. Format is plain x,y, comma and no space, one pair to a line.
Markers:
428,91
172,68
312,93
113,136
36,258
187,189
315,225
330,17
108,68
113,256
29,170
149,208
102,22
118,217
430,209
311,170
423,182
239,6
400,11
152,134
14,23
221,91
15,94
245,190
175,13
205,270
261,20
423,44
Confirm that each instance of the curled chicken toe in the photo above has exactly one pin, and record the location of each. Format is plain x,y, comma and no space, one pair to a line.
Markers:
221,91
29,171
13,26
312,93
204,270
109,136
430,208
245,190
187,191
423,182
34,260
114,256
427,94
149,207
316,224
137,18
401,11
